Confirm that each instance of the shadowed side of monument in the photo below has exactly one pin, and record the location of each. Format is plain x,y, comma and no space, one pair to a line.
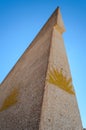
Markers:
21,93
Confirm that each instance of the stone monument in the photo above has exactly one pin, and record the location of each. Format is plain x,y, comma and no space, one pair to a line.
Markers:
38,93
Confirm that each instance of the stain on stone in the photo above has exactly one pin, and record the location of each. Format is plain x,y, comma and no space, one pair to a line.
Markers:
49,120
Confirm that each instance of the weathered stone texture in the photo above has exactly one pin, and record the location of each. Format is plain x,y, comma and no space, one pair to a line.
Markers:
59,109
28,75
27,100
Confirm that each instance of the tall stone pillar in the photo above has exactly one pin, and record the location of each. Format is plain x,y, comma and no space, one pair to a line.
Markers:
38,93
59,108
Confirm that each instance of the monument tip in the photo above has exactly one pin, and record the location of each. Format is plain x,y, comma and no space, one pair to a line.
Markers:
60,24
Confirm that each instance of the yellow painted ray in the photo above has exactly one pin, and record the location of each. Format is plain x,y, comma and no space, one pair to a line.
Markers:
57,78
10,100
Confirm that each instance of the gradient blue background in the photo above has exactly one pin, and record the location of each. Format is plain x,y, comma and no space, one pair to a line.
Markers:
21,20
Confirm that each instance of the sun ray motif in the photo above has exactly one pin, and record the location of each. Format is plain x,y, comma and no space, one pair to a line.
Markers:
58,79
10,100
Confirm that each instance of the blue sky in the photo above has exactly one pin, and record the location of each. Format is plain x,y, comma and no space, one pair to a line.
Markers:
21,20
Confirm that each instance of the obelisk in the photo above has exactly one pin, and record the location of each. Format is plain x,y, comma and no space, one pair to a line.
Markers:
59,108
38,93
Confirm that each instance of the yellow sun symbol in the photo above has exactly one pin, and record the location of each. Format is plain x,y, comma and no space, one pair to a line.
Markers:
58,79
10,100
